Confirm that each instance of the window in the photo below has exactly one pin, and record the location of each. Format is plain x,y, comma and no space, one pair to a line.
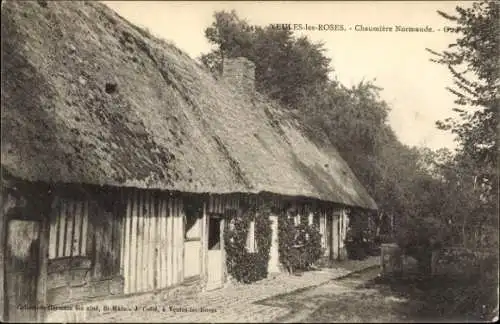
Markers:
251,244
192,228
316,219
68,228
193,213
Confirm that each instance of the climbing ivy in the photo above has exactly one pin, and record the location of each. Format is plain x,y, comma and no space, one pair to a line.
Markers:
299,245
244,266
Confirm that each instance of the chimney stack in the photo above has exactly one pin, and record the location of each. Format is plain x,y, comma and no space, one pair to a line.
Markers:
240,72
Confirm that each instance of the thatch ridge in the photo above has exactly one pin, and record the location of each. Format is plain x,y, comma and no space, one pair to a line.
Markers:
88,97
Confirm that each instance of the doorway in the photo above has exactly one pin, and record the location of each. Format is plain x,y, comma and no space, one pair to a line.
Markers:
215,253
22,270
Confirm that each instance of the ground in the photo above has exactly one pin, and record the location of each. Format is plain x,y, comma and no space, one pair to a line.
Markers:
342,300
236,303
365,297
354,291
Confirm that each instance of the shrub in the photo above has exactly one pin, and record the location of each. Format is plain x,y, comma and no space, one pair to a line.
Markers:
299,246
313,250
419,237
474,278
356,245
244,266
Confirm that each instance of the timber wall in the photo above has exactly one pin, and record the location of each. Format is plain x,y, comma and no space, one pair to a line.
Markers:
104,242
84,245
153,241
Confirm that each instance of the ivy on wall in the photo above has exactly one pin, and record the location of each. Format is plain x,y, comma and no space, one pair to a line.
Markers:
242,265
299,245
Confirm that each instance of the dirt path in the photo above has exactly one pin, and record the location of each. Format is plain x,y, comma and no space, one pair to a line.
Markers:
365,297
342,300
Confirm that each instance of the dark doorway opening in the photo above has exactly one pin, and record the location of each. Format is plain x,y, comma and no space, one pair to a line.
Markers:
214,233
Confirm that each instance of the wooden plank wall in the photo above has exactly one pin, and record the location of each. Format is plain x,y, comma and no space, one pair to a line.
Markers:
218,204
153,253
42,275
153,245
87,226
5,204
69,228
105,221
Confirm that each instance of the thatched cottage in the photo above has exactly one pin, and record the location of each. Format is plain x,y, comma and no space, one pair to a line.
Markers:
120,155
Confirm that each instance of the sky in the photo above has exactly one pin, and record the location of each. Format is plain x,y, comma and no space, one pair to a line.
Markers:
413,86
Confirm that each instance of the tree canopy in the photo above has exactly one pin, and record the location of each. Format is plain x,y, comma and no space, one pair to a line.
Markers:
456,191
474,66
286,68
475,69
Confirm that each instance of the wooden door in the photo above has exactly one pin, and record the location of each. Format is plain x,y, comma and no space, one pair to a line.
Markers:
215,255
22,269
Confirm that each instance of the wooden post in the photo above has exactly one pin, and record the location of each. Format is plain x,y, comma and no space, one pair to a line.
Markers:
126,247
44,260
123,226
392,223
335,235
223,250
156,241
62,227
170,250
3,237
382,262
164,246
434,262
85,226
343,234
204,248
180,240
133,287
149,264
141,238
274,262
174,241
175,233
97,220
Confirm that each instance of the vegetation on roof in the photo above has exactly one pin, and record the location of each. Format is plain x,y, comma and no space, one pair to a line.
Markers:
111,104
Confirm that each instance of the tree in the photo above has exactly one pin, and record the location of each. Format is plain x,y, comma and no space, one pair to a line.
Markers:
474,65
286,68
416,189
232,36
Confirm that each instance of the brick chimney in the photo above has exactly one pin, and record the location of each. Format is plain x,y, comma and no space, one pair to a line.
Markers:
240,72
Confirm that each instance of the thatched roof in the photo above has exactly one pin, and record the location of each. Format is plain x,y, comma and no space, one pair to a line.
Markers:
89,98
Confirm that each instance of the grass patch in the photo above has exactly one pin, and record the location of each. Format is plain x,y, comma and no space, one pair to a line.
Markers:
465,297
